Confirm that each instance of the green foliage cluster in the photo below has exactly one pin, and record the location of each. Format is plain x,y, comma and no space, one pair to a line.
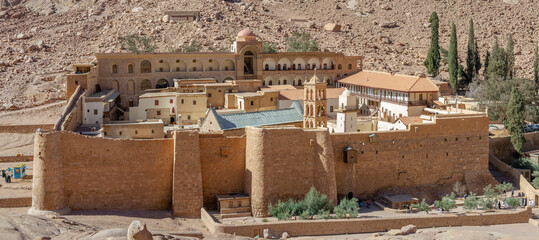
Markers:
515,122
513,202
536,68
527,163
314,204
471,201
473,61
432,62
504,187
301,42
137,43
347,208
422,206
490,198
453,59
269,47
194,46
447,203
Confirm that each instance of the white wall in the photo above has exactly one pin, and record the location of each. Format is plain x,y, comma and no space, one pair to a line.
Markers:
89,116
139,112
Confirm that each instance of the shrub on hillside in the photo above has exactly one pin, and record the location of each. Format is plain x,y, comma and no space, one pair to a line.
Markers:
347,208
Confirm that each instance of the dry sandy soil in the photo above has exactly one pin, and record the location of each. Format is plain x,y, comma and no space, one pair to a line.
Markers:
40,39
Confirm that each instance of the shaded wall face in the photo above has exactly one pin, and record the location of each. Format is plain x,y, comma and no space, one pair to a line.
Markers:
102,173
286,163
435,154
223,166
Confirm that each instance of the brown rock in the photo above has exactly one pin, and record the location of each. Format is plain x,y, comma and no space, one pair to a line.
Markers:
138,231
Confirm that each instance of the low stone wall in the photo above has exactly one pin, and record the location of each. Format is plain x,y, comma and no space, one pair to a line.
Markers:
25,128
16,158
351,226
15,202
514,175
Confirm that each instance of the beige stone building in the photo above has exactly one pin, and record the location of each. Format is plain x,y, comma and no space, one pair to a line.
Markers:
252,101
149,129
131,73
391,95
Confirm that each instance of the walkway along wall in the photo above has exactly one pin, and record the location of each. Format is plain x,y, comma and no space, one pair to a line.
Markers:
185,172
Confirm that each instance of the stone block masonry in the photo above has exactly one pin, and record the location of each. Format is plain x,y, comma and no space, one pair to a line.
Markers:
184,173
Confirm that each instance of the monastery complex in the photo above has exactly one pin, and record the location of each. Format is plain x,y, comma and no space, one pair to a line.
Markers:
185,131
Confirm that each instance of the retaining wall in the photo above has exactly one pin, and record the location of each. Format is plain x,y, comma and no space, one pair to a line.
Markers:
350,226
25,128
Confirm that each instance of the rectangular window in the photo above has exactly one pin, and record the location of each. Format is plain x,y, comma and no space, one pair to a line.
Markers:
136,131
226,68
160,69
330,108
252,103
177,69
209,94
188,117
182,101
194,69
152,131
158,113
210,68
120,133
156,102
171,100
95,111
194,102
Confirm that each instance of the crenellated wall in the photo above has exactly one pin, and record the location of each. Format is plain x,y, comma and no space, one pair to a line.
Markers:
185,172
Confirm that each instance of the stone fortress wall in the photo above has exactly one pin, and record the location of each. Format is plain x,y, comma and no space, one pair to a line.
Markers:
187,171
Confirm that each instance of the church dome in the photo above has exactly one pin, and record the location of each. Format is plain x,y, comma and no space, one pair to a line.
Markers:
346,92
246,33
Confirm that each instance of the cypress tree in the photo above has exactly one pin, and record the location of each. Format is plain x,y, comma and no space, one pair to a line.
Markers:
477,59
432,63
453,59
497,63
510,55
536,68
485,72
515,124
470,57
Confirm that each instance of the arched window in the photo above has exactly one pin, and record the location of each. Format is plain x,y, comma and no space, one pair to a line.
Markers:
161,83
339,66
278,66
349,66
299,82
114,68
266,67
299,66
284,67
130,68
308,66
293,66
145,66
145,84
270,83
325,66
284,82
279,82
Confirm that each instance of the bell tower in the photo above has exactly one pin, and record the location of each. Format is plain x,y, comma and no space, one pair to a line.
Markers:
315,104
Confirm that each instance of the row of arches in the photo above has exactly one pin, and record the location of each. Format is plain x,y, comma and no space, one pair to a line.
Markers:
295,81
269,64
179,65
146,84
316,94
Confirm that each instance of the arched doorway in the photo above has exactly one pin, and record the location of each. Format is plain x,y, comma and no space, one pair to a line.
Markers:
248,62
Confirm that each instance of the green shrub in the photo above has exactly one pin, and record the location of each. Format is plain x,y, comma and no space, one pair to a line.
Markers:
194,46
268,47
347,208
504,187
422,206
326,214
447,203
264,220
316,202
138,43
281,211
525,163
301,42
512,202
471,201
535,181
490,196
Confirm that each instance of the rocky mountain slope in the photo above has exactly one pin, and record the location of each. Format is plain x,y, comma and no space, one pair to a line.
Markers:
40,39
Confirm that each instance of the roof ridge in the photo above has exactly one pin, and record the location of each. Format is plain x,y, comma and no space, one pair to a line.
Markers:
417,80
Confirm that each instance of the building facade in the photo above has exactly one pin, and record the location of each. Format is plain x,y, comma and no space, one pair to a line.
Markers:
133,73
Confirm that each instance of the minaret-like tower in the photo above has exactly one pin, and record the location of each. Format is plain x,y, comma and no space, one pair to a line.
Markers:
347,112
315,104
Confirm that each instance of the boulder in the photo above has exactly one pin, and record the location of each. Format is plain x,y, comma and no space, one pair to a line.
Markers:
386,7
137,231
408,229
137,9
166,19
389,24
285,235
332,27
22,36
